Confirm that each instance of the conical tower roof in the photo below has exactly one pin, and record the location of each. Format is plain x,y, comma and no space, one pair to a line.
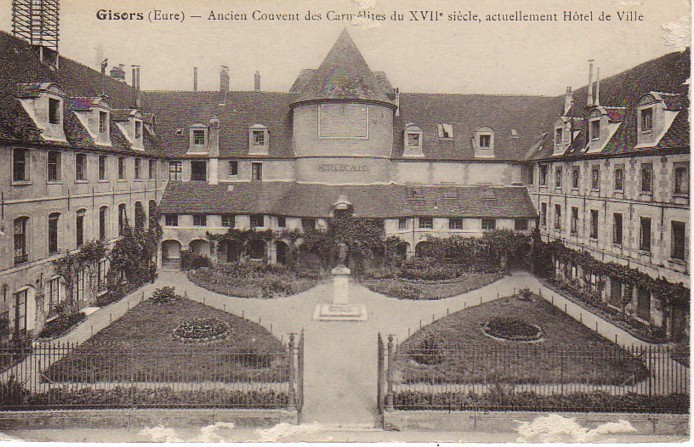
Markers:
344,74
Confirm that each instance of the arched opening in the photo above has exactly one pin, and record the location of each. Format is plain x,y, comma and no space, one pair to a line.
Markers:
401,252
200,247
423,249
257,250
140,217
282,252
152,213
230,251
171,253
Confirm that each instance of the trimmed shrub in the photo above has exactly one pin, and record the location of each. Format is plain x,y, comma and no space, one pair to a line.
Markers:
428,351
165,295
193,261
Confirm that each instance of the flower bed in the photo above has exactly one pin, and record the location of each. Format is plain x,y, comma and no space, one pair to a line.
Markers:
201,330
62,325
421,289
251,281
512,329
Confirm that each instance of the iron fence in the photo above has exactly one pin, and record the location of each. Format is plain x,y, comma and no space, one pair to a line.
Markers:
529,377
66,375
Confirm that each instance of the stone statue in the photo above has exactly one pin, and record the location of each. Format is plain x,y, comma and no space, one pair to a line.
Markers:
342,250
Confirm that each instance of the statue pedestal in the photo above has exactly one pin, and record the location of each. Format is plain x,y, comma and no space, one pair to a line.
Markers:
340,309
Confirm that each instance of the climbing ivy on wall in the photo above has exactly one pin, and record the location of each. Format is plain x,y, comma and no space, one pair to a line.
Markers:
80,261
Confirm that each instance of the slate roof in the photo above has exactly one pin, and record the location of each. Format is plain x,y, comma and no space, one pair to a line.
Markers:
376,201
344,74
667,75
19,64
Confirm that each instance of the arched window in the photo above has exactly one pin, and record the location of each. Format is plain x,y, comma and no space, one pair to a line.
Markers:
103,223
79,227
152,213
256,249
140,217
21,228
412,141
53,220
122,218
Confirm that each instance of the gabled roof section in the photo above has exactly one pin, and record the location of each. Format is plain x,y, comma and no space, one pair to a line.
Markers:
344,74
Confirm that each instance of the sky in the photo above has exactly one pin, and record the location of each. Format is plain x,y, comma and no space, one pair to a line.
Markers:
539,58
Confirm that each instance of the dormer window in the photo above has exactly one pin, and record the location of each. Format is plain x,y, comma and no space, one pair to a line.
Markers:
646,120
413,141
445,131
103,122
595,129
129,122
484,142
138,130
54,111
258,139
199,137
558,136
94,115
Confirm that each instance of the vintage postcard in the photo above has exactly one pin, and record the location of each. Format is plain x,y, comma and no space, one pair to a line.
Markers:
345,220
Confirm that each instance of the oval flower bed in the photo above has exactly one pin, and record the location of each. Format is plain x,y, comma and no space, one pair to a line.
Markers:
201,330
512,329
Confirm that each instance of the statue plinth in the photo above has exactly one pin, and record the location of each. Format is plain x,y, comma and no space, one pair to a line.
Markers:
340,309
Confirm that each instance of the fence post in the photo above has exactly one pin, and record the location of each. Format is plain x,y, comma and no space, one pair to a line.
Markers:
389,375
292,391
561,377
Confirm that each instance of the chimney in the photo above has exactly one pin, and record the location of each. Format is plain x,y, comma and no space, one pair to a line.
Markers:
224,79
568,100
597,87
397,101
195,79
589,102
256,81
136,85
118,72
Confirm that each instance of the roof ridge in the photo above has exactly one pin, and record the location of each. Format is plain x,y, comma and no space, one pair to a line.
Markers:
510,95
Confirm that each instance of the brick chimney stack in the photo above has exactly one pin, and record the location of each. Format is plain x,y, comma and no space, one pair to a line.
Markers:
224,79
256,81
589,102
568,100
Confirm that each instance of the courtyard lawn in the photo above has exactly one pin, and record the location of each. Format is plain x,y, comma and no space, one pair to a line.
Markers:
431,290
250,281
140,346
456,349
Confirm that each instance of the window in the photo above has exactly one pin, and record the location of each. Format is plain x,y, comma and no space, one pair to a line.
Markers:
615,296
574,220
281,221
595,178
558,136
20,168
646,177
520,224
200,220
171,220
402,223
102,167
138,130
122,218
682,180
643,304
619,178
594,224
198,170
647,120
53,166
455,223
53,294
140,216
488,224
175,171
81,167
413,139
445,131
53,111
617,229
138,167
79,227
557,217
256,171
258,220
486,141
103,222
198,137
80,283
308,223
557,178
20,240
152,170
426,223
228,220
101,272
595,129
103,122
543,175
256,249
575,176
258,138
121,168
678,244
543,214
234,168
20,312
645,239
53,233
